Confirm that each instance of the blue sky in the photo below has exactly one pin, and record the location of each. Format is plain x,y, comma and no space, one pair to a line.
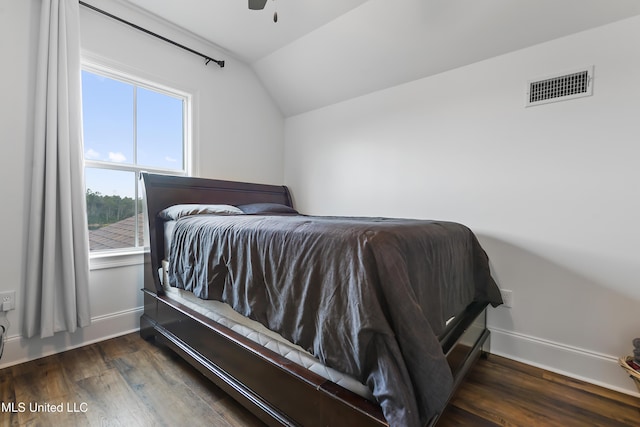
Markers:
108,122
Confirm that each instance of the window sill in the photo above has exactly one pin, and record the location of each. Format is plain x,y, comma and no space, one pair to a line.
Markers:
116,259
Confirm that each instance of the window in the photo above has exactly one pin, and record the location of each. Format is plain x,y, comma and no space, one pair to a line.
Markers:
129,126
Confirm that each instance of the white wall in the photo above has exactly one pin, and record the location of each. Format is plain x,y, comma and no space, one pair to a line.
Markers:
553,191
237,129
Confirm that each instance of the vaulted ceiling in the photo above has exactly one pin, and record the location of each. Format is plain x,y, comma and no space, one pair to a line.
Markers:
326,51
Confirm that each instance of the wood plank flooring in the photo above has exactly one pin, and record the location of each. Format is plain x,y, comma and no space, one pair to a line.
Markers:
127,381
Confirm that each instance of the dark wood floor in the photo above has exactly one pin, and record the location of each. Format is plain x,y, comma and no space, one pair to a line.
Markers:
129,382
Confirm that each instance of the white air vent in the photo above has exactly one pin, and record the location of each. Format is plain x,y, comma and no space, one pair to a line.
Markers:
571,85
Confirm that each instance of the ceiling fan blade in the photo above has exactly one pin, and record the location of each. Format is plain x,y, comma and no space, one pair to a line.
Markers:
257,4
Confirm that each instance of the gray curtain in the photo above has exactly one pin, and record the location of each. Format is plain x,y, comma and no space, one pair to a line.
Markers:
56,293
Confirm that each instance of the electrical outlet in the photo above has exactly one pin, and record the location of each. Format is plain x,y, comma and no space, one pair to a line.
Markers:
7,300
507,297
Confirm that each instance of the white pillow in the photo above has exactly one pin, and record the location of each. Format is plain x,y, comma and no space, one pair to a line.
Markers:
177,211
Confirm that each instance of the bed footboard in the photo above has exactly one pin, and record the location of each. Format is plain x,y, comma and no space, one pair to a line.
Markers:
276,390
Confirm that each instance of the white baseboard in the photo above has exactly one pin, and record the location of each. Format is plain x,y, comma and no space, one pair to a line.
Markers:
595,368
18,349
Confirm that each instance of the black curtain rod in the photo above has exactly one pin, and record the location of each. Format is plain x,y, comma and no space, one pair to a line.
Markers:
151,33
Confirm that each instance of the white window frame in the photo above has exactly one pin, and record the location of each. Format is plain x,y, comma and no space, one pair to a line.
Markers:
135,255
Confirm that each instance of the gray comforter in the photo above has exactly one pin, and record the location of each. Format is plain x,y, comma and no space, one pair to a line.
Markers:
366,296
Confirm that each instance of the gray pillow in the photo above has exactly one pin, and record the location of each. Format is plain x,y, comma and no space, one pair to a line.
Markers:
177,211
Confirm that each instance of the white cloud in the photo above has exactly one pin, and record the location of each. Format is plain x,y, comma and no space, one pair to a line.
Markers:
91,154
117,157
170,159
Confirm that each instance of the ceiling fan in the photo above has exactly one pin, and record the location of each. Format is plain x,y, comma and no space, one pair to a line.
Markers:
259,5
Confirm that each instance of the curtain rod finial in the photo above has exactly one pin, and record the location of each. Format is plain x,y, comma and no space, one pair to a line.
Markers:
220,63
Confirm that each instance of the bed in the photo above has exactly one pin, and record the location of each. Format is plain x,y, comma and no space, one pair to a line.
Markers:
362,316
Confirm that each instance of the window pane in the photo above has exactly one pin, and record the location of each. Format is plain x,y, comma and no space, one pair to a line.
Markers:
107,109
133,128
111,209
159,132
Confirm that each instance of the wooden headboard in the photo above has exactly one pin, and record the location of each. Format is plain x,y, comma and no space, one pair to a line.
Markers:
162,191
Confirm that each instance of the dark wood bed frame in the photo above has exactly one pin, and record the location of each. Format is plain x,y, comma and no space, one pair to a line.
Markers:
275,389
